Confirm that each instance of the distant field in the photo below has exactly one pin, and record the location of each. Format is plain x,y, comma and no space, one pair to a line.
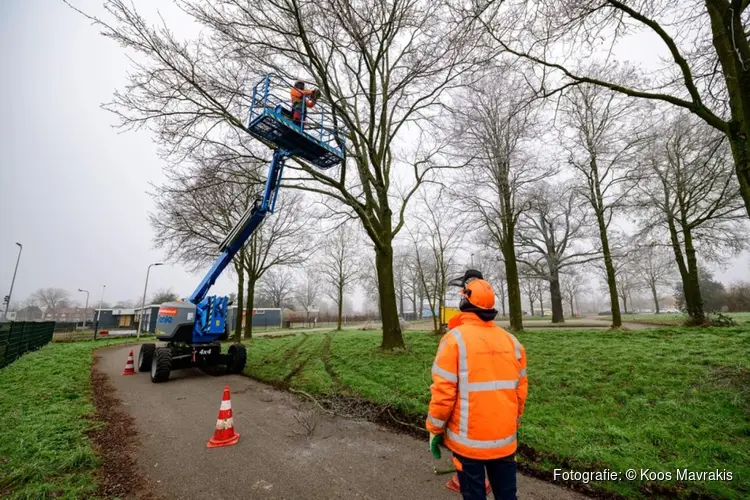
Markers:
670,319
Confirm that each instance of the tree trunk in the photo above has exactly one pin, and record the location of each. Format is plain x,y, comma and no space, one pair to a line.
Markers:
240,295
655,296
691,286
555,296
572,309
392,337
401,298
541,304
514,288
625,303
249,307
733,50
531,304
609,266
341,306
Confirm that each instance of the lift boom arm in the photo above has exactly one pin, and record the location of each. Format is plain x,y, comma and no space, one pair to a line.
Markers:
245,227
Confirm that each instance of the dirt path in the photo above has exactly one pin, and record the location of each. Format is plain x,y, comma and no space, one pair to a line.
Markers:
276,457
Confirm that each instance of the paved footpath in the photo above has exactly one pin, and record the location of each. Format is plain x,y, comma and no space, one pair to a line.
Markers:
275,457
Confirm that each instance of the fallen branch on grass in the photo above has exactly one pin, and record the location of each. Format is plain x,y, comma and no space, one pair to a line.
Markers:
407,424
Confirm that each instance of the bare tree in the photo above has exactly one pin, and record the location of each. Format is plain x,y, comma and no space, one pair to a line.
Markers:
51,299
530,287
690,196
706,70
163,295
601,148
277,284
384,74
283,240
550,235
573,282
436,239
198,207
495,126
655,269
339,266
308,289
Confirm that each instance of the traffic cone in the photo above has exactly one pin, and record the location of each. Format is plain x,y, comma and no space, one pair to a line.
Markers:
224,434
454,485
129,368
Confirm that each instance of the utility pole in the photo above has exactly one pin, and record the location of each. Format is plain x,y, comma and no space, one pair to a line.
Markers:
99,314
143,302
85,309
13,282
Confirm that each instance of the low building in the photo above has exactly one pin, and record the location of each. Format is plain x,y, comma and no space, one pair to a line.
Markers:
148,315
262,317
115,318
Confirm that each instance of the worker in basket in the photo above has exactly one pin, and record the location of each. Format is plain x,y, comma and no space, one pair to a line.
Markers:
300,96
478,394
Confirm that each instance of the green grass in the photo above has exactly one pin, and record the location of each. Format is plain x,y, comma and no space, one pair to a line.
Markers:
45,412
660,399
672,319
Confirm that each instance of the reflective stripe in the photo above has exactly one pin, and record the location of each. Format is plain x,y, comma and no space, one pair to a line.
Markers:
522,373
451,377
463,383
436,421
517,345
493,385
225,405
482,444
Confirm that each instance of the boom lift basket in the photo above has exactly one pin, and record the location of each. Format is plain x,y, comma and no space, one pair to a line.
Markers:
318,139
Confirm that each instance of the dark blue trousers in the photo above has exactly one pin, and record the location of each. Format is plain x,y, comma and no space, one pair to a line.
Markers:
501,473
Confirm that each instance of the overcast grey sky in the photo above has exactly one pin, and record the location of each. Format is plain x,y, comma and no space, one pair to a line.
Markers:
73,190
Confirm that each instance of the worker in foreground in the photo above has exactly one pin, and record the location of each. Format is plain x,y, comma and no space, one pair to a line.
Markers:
478,394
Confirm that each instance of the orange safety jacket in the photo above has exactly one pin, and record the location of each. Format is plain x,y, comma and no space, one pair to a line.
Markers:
479,388
297,95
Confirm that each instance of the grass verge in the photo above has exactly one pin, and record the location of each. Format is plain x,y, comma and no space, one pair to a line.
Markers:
665,399
675,319
45,414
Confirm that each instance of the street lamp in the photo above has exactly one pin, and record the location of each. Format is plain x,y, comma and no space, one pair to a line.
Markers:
85,309
99,314
143,302
10,294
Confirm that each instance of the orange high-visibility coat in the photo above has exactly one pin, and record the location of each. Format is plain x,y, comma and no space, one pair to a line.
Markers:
479,389
297,95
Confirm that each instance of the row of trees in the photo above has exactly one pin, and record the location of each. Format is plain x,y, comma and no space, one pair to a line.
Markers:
52,300
543,158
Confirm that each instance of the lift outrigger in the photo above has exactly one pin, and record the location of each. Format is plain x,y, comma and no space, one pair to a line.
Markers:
192,330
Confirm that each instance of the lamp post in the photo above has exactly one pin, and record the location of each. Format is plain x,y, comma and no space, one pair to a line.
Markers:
99,314
85,309
13,282
472,261
143,302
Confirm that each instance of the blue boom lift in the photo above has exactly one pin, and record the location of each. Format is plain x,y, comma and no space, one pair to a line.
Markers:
193,329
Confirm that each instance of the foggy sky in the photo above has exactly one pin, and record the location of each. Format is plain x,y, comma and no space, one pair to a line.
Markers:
73,189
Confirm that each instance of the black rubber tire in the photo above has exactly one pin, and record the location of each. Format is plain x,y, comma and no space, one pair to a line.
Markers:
161,365
239,358
145,356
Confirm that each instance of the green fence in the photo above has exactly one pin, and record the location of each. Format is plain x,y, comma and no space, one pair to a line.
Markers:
19,337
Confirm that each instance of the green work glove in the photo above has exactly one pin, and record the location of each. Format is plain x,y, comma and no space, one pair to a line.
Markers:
435,441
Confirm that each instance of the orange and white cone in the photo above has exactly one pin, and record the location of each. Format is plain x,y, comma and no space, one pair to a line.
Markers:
129,367
454,485
224,434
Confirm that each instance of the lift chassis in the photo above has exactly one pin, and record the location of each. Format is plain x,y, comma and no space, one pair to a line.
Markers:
192,330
